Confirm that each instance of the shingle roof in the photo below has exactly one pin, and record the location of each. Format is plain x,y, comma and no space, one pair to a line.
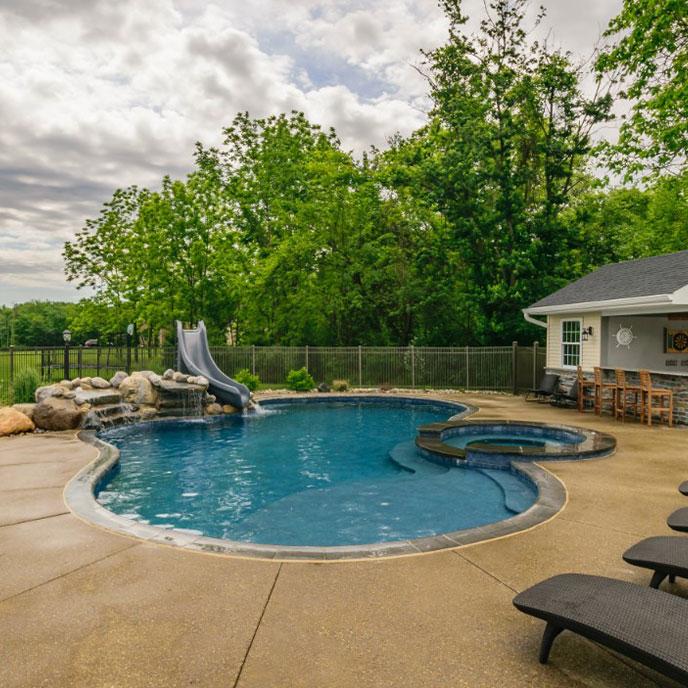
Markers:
643,277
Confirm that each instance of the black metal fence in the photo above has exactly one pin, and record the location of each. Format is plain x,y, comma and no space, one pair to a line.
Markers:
497,368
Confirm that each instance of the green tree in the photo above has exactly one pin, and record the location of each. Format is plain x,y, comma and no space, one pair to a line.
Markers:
510,136
650,61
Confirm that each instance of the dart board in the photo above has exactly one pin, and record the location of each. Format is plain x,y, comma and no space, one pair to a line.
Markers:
676,341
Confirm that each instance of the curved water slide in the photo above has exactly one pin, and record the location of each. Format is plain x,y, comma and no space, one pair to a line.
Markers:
193,357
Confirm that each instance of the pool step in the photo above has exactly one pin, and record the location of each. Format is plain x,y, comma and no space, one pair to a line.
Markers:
518,496
406,456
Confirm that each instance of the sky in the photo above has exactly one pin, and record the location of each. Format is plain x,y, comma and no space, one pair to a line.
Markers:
96,95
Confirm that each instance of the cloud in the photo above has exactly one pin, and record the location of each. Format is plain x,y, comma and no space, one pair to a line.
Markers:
96,95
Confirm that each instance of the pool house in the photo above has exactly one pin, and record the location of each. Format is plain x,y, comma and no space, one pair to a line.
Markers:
631,316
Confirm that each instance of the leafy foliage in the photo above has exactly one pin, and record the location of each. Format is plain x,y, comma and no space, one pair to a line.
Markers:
300,380
246,377
650,62
26,381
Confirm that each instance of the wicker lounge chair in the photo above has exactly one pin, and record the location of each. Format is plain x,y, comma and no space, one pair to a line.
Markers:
666,555
548,386
649,626
569,398
679,520
683,488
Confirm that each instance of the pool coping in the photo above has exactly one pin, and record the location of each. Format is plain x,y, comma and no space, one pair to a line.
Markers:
79,496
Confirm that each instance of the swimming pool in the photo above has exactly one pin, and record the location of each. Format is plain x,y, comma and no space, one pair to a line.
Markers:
323,474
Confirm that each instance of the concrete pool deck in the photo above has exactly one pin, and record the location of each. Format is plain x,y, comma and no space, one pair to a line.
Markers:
80,606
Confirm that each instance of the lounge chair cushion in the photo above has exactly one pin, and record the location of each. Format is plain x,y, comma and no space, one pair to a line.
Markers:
667,555
683,488
644,624
679,520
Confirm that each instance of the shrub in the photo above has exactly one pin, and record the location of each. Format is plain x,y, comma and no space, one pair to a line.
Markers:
300,380
25,383
246,377
340,385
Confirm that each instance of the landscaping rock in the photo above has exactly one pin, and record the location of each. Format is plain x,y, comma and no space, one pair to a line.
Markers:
148,412
210,398
137,390
214,409
228,408
69,394
92,421
50,391
323,387
155,380
168,374
117,378
67,384
99,383
26,409
84,381
180,377
55,413
13,422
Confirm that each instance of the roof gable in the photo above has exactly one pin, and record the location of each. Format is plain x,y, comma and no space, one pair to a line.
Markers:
631,279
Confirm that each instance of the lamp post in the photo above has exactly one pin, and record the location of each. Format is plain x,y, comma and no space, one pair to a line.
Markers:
67,337
130,332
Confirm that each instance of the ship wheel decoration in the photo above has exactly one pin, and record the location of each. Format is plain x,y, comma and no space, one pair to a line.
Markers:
624,337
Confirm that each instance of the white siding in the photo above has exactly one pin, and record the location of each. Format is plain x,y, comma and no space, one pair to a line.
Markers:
590,350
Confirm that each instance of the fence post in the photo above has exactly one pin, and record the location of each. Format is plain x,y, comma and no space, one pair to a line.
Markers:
467,367
66,361
306,356
535,370
98,360
11,363
413,367
360,366
514,360
80,362
253,359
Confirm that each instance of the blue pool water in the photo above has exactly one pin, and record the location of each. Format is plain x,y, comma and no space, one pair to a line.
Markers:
303,474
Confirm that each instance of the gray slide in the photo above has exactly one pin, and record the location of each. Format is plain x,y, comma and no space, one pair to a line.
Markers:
193,357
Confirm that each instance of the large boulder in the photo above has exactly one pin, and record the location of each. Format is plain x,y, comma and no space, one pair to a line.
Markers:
168,374
50,391
99,383
180,377
117,378
213,409
13,422
137,390
228,408
56,413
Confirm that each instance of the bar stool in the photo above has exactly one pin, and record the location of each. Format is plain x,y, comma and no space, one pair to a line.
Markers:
600,388
584,385
623,389
649,393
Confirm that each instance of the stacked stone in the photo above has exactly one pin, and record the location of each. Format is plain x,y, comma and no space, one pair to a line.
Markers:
92,402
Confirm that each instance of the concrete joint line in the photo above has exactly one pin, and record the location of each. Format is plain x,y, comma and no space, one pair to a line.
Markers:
68,573
255,632
31,520
487,573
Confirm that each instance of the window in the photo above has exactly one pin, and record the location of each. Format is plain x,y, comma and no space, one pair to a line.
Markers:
570,343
